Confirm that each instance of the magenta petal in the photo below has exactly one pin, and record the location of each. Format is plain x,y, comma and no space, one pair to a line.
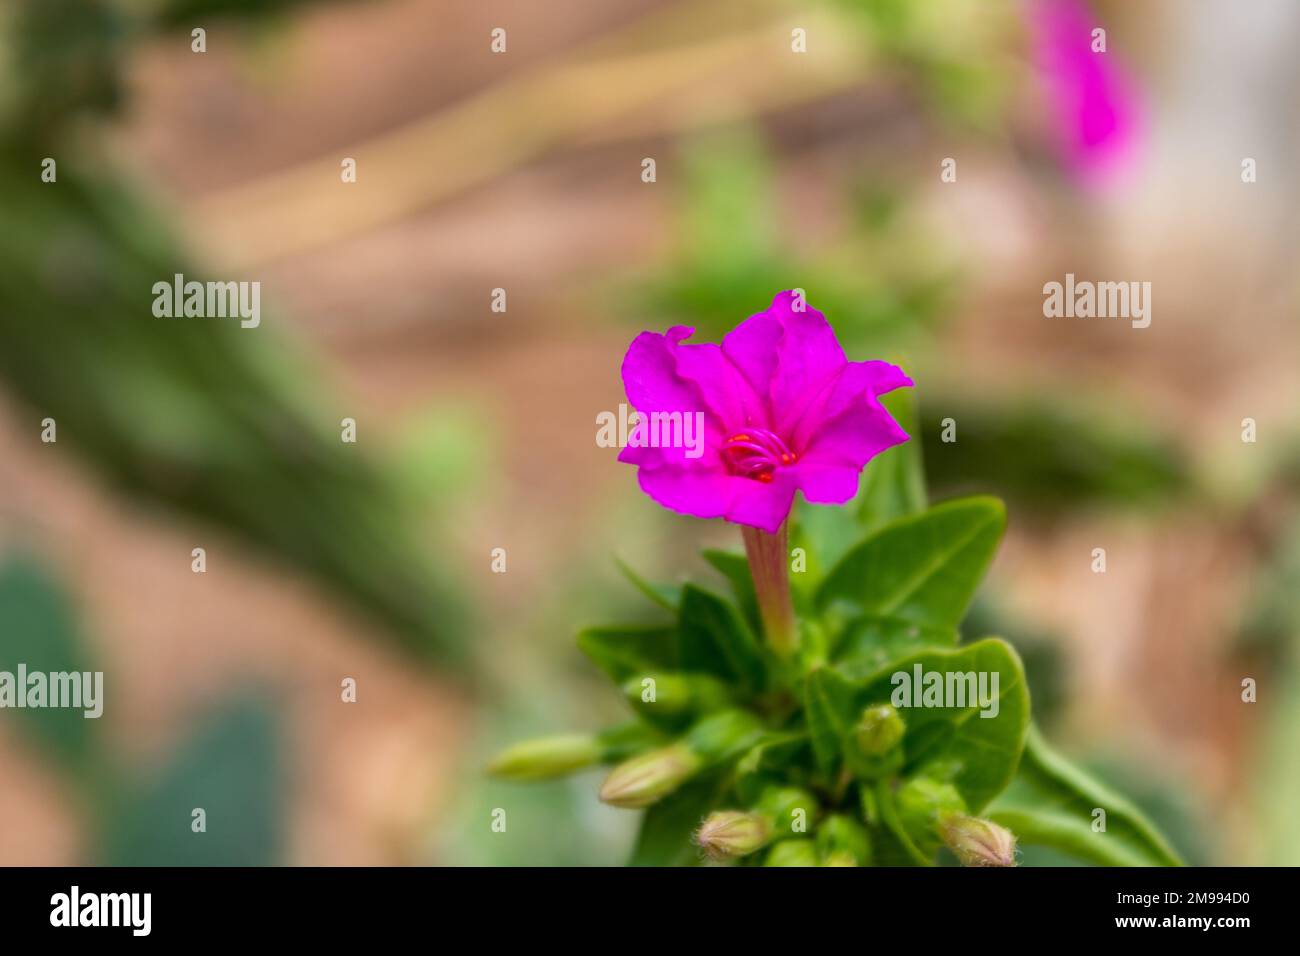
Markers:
721,387
701,492
859,384
828,484
809,356
855,436
752,348
650,374
645,457
762,504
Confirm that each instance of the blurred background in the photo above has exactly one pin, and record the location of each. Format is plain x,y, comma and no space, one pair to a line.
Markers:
522,170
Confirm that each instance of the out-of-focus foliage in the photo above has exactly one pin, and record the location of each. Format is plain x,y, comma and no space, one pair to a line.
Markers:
199,414
1271,619
230,766
951,49
1048,455
232,769
734,235
221,423
188,13
1053,803
1040,652
39,629
61,58
1270,638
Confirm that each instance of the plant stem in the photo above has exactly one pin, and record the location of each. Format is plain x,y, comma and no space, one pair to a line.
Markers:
768,556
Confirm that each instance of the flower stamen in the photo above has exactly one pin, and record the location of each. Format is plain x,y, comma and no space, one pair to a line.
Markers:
756,454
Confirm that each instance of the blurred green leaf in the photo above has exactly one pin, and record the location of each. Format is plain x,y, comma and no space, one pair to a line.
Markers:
829,708
716,640
664,837
1051,802
231,767
1048,455
734,566
1040,651
38,629
893,484
667,596
443,454
629,651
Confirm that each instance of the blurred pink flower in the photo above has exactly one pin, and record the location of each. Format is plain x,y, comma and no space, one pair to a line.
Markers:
782,410
1096,109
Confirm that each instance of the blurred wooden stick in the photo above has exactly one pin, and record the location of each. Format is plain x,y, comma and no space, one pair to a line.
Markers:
522,117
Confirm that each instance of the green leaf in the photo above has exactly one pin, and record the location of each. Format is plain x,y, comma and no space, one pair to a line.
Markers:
893,485
923,568
977,754
831,712
1051,803
869,643
230,769
735,568
666,828
714,639
764,763
38,629
631,651
667,596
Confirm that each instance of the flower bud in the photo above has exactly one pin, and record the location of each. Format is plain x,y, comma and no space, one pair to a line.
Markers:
977,842
729,833
676,695
789,810
793,853
879,730
649,777
546,757
922,804
843,841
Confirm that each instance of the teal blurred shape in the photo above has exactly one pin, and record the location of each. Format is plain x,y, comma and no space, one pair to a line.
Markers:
231,767
38,628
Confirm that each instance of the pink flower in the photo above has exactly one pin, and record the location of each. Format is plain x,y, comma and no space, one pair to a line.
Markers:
1095,106
782,410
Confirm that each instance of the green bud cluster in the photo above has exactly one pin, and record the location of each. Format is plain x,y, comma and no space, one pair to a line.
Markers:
743,751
